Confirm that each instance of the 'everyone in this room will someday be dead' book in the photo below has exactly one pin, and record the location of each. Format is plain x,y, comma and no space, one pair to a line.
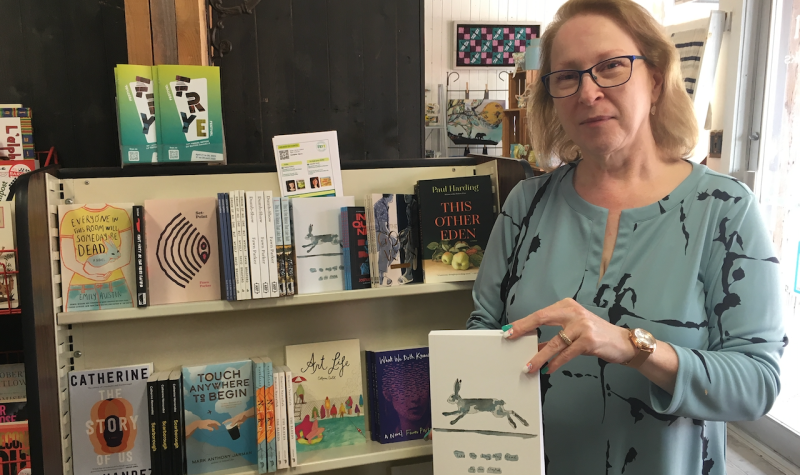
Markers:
220,417
456,219
108,409
328,396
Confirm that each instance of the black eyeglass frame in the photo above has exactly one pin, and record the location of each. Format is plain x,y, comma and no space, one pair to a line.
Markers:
631,57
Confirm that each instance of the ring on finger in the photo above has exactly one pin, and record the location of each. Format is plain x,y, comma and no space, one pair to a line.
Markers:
565,337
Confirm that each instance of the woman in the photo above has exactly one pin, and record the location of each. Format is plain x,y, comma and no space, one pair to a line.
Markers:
631,237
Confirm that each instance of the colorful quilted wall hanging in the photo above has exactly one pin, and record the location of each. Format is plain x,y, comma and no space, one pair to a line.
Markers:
486,45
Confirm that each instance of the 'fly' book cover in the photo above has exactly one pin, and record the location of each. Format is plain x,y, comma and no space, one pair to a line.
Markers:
456,219
328,396
108,409
182,253
220,417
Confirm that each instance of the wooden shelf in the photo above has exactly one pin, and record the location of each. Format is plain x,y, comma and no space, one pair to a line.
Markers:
515,110
214,306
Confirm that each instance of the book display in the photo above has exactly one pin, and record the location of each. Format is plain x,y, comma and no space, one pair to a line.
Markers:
318,424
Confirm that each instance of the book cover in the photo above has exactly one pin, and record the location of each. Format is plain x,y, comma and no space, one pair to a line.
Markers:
271,256
10,171
229,233
9,297
481,403
137,113
358,250
251,214
139,256
13,411
236,237
319,251
402,381
281,426
263,242
190,113
269,399
182,250
261,413
327,393
154,423
456,219
279,244
244,258
96,243
15,449
224,236
165,422
16,134
176,429
219,412
288,244
372,398
291,416
108,412
396,237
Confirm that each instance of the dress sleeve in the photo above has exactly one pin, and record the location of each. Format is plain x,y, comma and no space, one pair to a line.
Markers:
487,292
737,376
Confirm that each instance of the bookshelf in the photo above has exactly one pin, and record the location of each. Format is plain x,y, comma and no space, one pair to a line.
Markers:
170,336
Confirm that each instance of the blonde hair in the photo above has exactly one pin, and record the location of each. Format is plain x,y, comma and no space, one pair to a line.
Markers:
674,125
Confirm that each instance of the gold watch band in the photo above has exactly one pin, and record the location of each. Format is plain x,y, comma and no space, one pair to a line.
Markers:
636,361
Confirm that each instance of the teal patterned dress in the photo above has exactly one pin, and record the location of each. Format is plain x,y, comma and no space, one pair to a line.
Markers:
696,269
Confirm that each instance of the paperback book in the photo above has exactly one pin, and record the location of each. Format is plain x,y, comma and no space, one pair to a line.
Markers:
109,415
220,417
393,223
328,396
9,172
9,297
12,382
13,411
16,134
137,113
96,243
140,263
15,449
356,251
182,250
456,219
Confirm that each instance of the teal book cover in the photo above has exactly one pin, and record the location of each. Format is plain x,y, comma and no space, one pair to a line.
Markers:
220,417
328,396
190,107
137,112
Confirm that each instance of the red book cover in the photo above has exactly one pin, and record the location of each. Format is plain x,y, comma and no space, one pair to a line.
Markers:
15,456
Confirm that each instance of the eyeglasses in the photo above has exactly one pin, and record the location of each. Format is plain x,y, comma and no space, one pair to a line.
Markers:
609,73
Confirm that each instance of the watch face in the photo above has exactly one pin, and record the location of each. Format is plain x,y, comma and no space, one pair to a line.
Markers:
644,337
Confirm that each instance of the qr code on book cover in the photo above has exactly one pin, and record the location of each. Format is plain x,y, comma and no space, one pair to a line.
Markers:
174,155
133,156
284,154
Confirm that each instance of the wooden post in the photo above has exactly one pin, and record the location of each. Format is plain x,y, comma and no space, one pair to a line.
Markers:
190,16
137,24
165,36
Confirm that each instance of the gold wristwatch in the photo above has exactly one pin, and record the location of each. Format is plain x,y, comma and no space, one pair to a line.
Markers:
645,345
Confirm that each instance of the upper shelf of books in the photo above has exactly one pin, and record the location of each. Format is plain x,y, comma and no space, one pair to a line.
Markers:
67,318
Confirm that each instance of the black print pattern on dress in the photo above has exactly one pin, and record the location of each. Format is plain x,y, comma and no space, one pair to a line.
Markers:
731,299
703,360
608,453
629,458
578,375
514,269
575,297
755,339
785,340
603,363
639,408
708,463
503,213
683,227
718,194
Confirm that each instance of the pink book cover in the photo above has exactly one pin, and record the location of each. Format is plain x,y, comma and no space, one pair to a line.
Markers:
182,250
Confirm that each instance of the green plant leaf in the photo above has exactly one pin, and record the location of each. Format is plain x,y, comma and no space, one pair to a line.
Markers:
476,259
433,246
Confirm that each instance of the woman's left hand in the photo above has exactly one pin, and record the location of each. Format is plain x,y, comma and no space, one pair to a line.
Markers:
590,336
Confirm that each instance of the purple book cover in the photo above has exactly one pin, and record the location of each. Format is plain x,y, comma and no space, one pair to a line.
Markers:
404,399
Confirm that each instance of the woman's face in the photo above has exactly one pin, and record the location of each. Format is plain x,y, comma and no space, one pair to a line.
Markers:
603,121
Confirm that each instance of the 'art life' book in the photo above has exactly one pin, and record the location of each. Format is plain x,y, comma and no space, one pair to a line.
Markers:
109,415
403,404
318,247
182,251
328,395
97,267
486,413
220,416
456,219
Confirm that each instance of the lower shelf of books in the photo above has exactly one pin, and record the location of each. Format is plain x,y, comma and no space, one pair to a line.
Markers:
67,318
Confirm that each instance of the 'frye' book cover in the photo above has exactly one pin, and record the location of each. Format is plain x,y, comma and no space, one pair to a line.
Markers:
109,415
190,112
137,113
220,417
96,242
328,396
182,251
456,219
402,380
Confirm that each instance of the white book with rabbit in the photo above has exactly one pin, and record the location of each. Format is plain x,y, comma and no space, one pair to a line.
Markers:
318,249
96,246
486,412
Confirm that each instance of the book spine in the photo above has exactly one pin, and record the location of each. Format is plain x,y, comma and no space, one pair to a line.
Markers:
154,426
263,254
165,421
345,240
261,414
141,269
288,244
176,423
276,202
272,460
370,397
252,244
234,210
376,411
272,252
222,245
280,411
243,263
230,273
371,241
290,420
